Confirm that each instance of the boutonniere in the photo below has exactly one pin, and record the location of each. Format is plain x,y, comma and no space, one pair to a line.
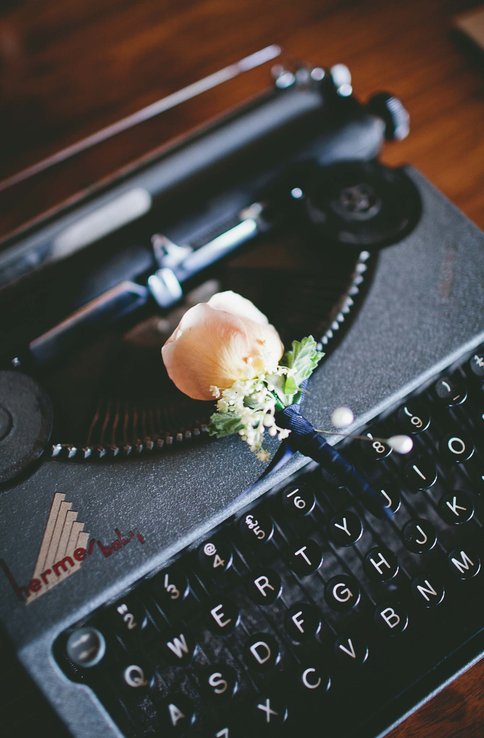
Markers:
225,350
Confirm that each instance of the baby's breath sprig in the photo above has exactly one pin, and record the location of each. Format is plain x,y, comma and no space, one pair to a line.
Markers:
248,407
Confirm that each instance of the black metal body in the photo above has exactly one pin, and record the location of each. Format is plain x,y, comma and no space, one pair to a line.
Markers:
423,310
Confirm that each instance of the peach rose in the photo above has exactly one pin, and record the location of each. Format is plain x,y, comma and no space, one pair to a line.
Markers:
219,342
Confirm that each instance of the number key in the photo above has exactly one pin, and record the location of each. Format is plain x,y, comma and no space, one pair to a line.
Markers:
374,448
298,500
215,557
412,420
256,527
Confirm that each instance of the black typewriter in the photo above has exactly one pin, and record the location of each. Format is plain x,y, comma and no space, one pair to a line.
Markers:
155,582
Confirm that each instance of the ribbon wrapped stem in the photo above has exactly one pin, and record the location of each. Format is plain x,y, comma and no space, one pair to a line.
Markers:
306,439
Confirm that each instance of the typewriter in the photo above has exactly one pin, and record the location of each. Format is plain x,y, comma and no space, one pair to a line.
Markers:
155,582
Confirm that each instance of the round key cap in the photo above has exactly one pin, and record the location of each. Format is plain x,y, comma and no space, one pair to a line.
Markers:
412,420
85,647
215,557
305,557
256,527
303,622
222,616
450,391
381,564
176,714
218,681
262,652
457,447
374,449
476,363
456,508
420,474
345,528
351,650
419,535
391,618
342,592
264,586
464,562
298,499
428,591
268,714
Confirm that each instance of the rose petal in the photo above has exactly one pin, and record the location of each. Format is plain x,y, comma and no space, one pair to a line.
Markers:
237,305
212,347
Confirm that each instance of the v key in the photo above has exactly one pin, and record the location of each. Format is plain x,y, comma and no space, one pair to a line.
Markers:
351,650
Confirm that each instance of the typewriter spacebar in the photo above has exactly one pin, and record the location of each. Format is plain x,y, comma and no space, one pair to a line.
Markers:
118,302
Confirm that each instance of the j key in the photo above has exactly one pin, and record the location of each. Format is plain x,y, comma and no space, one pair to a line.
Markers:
262,652
457,447
86,647
412,420
298,499
264,587
351,650
218,681
465,563
420,474
450,391
391,618
215,557
222,616
256,527
345,528
419,535
305,557
380,564
373,448
342,592
456,508
428,591
476,363
268,714
176,714
303,622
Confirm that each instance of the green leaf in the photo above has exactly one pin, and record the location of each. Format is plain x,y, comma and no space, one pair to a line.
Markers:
302,359
224,424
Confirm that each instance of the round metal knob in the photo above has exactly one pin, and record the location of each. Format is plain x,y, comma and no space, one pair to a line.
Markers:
25,423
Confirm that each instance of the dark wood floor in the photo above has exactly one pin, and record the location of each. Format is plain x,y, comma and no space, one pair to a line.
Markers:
69,68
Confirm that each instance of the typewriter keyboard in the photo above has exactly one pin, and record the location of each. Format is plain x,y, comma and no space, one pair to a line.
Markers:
308,613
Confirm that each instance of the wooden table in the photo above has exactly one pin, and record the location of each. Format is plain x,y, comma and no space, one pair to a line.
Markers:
69,68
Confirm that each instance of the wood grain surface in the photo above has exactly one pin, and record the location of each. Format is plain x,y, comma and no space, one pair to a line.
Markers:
70,68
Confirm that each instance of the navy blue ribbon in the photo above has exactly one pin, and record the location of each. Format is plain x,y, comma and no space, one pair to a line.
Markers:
306,439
